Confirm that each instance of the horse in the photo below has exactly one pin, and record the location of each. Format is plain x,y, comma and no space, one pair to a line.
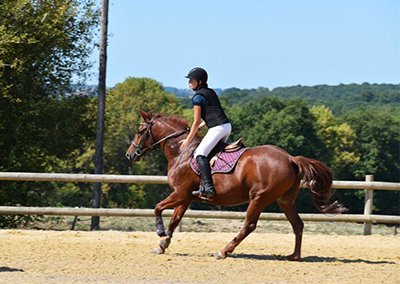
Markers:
262,175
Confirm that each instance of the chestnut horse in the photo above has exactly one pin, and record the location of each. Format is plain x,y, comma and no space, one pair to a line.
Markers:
262,175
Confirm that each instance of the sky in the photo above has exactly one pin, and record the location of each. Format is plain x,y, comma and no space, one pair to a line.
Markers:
254,43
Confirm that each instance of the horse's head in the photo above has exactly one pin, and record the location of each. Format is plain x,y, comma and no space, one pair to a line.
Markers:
143,140
155,130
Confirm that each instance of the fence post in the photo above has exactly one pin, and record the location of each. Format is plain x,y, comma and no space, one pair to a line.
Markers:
179,228
369,194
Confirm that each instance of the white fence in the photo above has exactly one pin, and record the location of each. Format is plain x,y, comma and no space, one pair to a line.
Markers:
368,218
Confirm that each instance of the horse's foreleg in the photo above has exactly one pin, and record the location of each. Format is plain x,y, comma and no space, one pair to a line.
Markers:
165,238
176,218
297,224
253,213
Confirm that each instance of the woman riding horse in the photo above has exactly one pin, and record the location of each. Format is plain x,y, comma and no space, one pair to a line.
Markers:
262,175
206,106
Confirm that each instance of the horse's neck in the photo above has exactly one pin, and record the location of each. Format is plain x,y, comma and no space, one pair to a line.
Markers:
171,147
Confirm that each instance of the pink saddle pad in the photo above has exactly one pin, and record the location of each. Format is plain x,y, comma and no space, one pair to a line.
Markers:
224,164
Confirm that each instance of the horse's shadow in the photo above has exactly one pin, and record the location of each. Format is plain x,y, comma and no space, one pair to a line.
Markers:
9,269
307,259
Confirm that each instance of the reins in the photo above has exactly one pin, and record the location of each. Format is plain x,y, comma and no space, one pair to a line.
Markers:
138,148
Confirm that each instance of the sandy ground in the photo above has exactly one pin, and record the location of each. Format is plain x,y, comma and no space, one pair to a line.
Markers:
126,257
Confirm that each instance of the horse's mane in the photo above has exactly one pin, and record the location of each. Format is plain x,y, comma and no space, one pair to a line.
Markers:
176,120
172,119
179,122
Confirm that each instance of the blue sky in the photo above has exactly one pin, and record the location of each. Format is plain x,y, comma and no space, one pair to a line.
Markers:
250,44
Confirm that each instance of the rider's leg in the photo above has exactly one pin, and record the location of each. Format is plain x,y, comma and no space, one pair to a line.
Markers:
205,169
213,136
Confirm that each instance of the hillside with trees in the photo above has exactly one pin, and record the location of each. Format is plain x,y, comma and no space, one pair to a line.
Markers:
339,98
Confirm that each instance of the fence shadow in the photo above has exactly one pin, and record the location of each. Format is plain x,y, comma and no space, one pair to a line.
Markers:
9,269
310,259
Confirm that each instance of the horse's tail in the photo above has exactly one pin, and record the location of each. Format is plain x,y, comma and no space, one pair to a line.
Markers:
318,178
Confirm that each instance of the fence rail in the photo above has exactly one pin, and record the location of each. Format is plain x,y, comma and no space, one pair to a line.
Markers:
368,218
163,180
66,211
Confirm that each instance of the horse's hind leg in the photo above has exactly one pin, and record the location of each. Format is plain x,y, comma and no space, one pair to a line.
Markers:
297,224
253,213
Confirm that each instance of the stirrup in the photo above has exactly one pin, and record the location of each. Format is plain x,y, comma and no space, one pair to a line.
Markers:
204,191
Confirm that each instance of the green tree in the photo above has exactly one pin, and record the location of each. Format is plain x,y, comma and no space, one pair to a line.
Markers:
339,99
122,120
285,123
339,140
378,145
43,44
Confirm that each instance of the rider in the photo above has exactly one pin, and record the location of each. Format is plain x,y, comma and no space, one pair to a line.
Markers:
206,106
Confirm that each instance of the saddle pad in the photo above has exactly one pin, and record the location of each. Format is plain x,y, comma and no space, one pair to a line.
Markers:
224,164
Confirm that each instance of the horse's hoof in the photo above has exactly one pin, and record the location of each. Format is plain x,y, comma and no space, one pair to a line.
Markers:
293,257
220,255
158,250
164,242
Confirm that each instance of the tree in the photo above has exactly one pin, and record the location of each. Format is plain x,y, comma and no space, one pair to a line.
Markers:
378,145
378,142
122,120
339,99
285,123
339,140
43,44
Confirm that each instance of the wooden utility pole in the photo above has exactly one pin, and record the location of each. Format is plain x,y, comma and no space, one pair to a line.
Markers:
98,160
369,194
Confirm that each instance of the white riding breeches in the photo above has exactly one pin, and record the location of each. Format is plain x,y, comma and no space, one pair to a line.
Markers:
213,136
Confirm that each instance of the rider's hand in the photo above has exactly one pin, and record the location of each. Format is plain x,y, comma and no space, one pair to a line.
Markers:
184,144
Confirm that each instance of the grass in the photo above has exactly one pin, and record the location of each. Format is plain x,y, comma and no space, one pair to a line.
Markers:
146,224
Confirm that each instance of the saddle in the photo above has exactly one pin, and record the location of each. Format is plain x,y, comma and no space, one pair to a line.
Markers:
223,157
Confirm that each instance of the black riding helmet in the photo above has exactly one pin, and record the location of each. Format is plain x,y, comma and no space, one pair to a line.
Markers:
198,74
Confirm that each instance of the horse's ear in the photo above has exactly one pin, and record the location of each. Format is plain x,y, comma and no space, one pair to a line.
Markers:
146,116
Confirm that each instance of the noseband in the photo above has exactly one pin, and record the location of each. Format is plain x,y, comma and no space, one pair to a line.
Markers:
138,148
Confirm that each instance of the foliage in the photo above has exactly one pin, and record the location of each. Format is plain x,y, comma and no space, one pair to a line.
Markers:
122,120
43,44
378,143
285,123
339,141
339,99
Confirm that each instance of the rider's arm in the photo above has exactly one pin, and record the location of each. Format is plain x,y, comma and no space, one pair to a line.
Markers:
196,124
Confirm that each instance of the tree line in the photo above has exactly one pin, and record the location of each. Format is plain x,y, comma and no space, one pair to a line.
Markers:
43,128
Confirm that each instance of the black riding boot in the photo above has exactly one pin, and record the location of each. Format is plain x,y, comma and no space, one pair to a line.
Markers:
205,169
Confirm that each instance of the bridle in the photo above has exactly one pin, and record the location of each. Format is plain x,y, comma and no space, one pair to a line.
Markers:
138,148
